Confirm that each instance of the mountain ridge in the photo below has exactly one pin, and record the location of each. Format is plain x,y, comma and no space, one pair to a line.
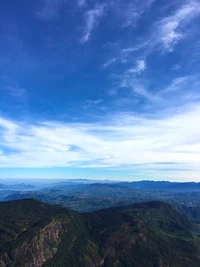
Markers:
150,234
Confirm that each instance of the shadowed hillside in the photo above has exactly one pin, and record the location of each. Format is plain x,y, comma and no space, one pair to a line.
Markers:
147,234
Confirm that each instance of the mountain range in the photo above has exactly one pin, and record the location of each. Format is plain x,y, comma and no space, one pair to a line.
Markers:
150,234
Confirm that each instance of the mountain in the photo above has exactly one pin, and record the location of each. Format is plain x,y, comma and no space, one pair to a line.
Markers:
2,186
21,186
149,234
32,232
164,186
96,196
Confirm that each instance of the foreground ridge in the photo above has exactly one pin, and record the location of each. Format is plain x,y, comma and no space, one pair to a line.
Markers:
146,234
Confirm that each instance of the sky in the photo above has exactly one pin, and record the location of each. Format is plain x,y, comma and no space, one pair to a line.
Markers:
104,89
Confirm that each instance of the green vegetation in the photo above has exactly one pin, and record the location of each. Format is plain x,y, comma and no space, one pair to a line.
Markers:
92,197
146,234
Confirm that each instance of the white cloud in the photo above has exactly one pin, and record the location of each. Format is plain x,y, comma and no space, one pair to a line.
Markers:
177,67
178,84
92,18
16,91
119,141
171,29
50,9
81,2
110,62
125,52
139,68
166,32
132,11
130,80
91,103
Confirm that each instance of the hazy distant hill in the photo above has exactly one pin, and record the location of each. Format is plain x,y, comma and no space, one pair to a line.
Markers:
164,186
21,186
82,196
148,234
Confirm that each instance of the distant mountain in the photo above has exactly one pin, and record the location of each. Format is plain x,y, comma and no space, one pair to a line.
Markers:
78,182
164,186
139,185
2,186
104,190
20,186
148,234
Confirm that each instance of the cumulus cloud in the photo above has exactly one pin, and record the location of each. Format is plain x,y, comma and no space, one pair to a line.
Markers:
92,18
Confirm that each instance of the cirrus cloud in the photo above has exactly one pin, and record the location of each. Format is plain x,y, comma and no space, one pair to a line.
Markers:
92,18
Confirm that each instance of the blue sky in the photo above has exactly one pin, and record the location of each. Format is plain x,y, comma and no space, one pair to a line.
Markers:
100,89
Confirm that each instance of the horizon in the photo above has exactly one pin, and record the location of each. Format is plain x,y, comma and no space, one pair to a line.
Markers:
9,181
100,90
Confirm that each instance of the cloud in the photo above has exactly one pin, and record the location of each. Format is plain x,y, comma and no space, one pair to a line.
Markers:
91,103
165,33
16,91
171,28
119,141
50,9
139,68
81,3
138,90
177,67
110,62
179,91
125,52
179,85
92,18
133,11
130,80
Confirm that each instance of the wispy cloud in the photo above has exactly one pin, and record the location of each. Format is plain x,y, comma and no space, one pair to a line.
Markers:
176,67
13,89
91,103
92,18
134,10
163,36
16,91
171,28
129,79
110,62
178,84
120,141
165,33
81,3
139,68
50,9
125,52
137,89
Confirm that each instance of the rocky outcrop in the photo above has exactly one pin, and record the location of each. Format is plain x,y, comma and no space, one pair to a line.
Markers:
36,252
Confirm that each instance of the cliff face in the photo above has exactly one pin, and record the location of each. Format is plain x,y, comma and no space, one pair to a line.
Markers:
34,234
35,252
